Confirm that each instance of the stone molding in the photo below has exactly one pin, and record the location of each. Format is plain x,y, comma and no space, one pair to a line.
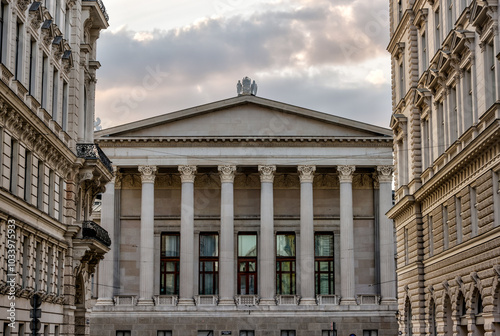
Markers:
266,173
227,173
385,174
188,173
346,173
148,173
306,173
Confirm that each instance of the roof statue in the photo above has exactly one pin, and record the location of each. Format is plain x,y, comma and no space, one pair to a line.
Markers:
246,87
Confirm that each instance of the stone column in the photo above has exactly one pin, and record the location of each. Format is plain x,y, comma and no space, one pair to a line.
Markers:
307,290
347,281
106,266
267,263
186,290
147,235
226,270
386,236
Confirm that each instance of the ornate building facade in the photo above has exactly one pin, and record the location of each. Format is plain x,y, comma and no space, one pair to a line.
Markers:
50,168
247,217
446,123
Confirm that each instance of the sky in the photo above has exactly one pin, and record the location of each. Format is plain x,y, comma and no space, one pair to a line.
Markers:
161,56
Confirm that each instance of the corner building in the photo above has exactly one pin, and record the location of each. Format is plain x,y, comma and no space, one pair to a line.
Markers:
446,124
50,168
248,217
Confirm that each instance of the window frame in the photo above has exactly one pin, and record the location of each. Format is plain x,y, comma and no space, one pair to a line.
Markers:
331,266
247,260
292,270
167,259
203,260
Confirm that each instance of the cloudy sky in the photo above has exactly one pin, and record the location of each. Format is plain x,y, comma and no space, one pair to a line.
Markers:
326,55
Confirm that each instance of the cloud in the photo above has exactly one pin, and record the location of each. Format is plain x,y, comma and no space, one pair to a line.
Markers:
317,54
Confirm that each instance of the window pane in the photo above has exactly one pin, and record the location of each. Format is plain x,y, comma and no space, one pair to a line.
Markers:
209,245
170,266
243,266
247,246
324,245
251,266
170,245
285,245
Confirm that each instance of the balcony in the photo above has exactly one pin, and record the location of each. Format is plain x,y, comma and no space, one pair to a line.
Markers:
91,230
93,152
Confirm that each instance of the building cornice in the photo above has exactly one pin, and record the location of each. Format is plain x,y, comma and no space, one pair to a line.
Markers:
398,33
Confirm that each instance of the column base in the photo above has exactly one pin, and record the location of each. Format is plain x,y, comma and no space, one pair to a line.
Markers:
348,302
267,302
145,302
185,302
308,302
226,302
105,302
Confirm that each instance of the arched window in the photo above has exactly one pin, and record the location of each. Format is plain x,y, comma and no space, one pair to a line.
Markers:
408,318
432,318
448,327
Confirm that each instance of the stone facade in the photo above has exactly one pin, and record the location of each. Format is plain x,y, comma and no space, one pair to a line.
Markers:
446,123
50,168
238,168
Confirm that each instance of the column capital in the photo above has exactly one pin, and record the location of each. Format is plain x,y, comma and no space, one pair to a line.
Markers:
188,173
148,174
385,174
226,173
345,173
267,173
306,173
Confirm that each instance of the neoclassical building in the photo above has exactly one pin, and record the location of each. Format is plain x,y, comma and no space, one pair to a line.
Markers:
50,168
247,216
446,124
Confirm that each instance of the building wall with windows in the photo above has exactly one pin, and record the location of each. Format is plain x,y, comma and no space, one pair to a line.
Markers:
49,169
446,125
248,216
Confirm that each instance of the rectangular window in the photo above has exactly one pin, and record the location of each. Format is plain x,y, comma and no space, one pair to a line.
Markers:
28,164
424,52
446,238
247,263
431,236
22,330
370,332
3,14
56,331
67,21
451,15
285,263
14,165
61,199
32,74
60,272
496,198
38,265
170,263
458,219
402,79
55,95
209,263
287,332
490,71
50,270
18,65
453,127
26,249
437,32
123,333
247,333
473,212
6,329
407,254
40,184
328,333
64,121
468,100
323,263
52,183
205,333
164,333
45,79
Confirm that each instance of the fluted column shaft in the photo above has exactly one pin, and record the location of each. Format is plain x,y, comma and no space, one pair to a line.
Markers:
347,284
226,262
146,267
307,290
106,266
267,285
386,234
186,287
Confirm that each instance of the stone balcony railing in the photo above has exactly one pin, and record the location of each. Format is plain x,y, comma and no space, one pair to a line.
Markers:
91,151
93,231
102,7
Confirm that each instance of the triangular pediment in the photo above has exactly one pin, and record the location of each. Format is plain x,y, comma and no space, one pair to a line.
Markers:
245,116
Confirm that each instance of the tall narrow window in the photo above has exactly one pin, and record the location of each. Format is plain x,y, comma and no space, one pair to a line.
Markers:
26,246
40,184
17,60
446,237
323,263
401,79
55,95
468,100
28,164
52,196
32,74
400,10
451,15
38,264
431,236
437,32
209,263
58,13
169,268
440,127
458,219
406,247
423,43
14,165
285,263
45,73
496,198
2,31
61,199
50,270
432,318
247,263
64,122
67,25
473,212
490,70
60,272
453,127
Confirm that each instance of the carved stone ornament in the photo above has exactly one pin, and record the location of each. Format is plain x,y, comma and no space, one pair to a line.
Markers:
147,174
188,173
306,173
23,5
345,173
385,174
227,173
267,173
